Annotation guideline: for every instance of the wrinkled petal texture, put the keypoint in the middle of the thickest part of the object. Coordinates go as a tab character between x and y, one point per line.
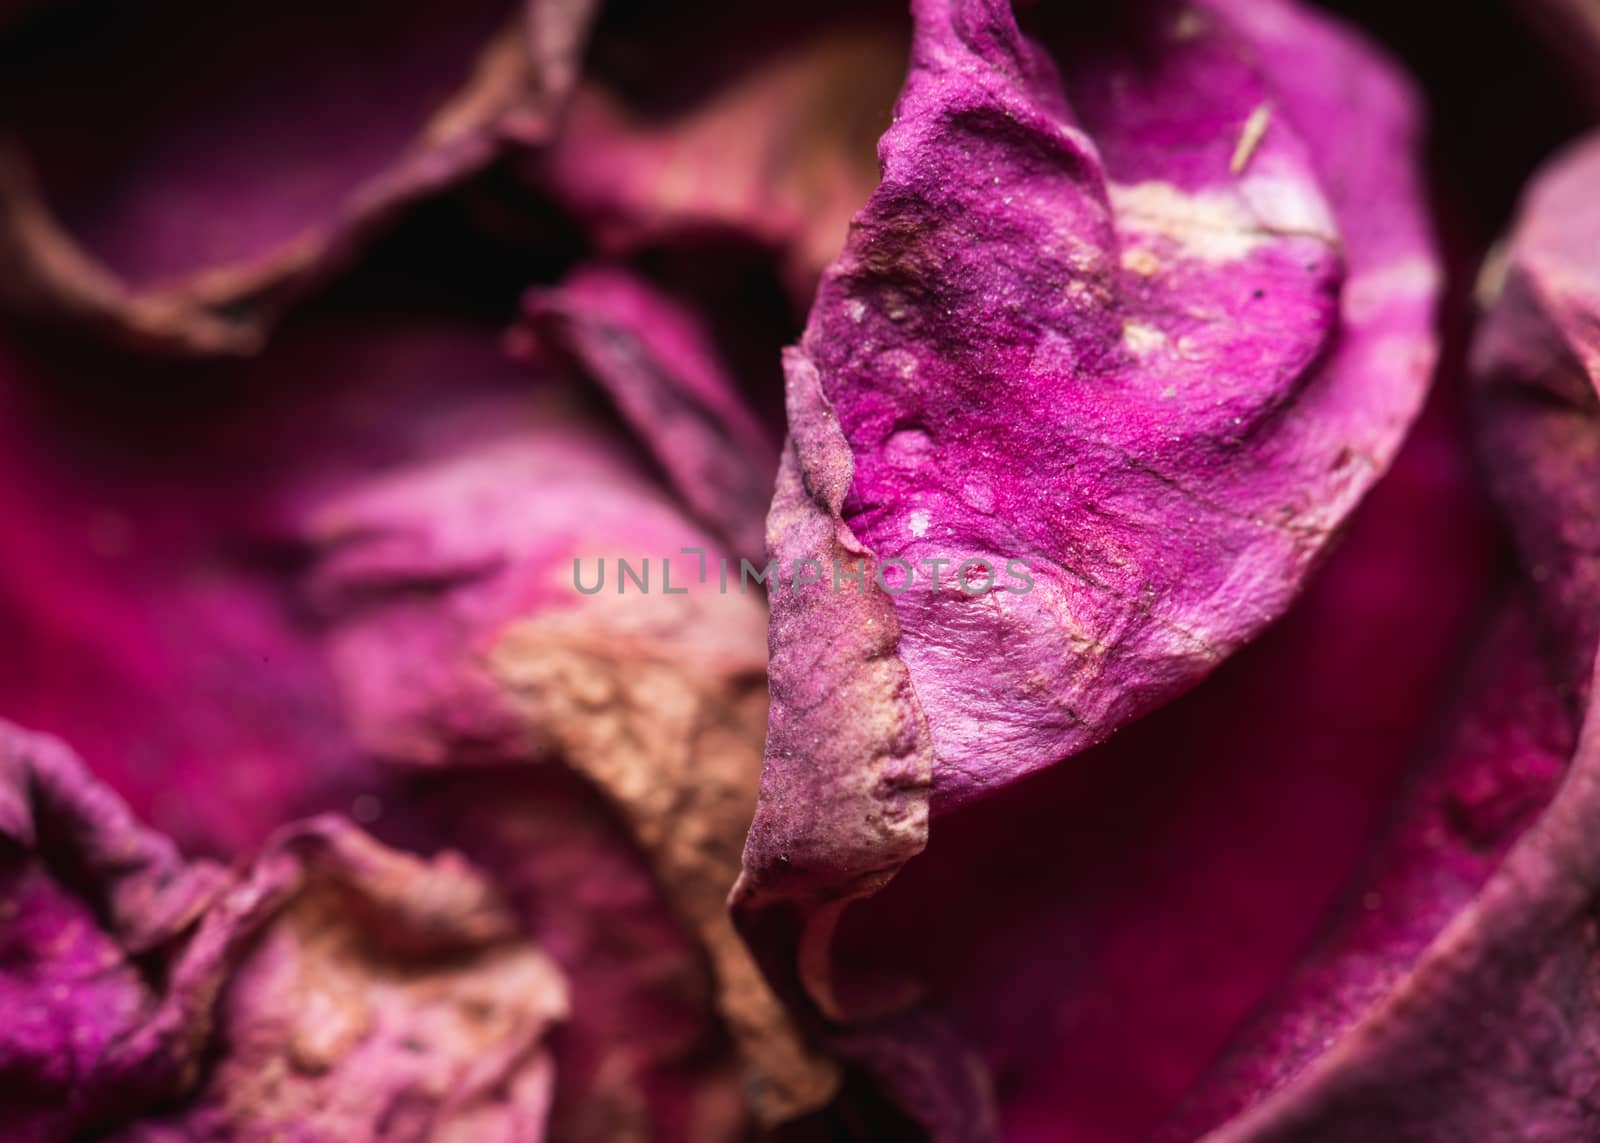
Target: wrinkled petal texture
334	989
1155	347
356	558
471	561
1162	380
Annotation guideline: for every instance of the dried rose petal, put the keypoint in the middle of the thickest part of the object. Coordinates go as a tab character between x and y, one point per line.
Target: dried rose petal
335	988
470	560
191	171
1448	1000
1028	350
88	898
346	553
381	996
153	593
644	1056
1449	831
1208	841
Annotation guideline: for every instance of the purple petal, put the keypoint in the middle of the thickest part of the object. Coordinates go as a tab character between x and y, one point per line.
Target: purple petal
335	989
192	171
1028	350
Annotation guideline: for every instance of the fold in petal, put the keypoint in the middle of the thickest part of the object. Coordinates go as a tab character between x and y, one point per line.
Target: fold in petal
656	361
1492	1032
1447	1000
334	988
1154	348
267	580
496	565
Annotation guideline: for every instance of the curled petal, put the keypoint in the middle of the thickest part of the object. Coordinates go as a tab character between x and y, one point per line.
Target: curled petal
218	189
498	566
379	994
656	362
334	988
1444	1001
1492	1032
1154	348
361	549
88	899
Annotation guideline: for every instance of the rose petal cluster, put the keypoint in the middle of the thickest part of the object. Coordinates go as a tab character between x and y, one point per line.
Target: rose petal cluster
943	570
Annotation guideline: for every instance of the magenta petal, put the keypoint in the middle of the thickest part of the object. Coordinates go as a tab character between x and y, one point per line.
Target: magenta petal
379	994
450	593
1450	987
360	549
1025	353
1491	1031
86	892
153	592
330	965
1448	831
1052	935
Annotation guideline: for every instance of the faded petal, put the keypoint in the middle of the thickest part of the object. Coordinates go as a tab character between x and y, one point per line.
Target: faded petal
473	558
380	996
773	146
334	989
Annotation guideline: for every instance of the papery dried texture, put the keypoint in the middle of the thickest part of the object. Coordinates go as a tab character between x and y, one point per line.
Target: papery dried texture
179	182
472	559
1571	29
252	579
777	151
381	997
656	361
644	1056
1077	895
1156	347
335	989
108	1008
